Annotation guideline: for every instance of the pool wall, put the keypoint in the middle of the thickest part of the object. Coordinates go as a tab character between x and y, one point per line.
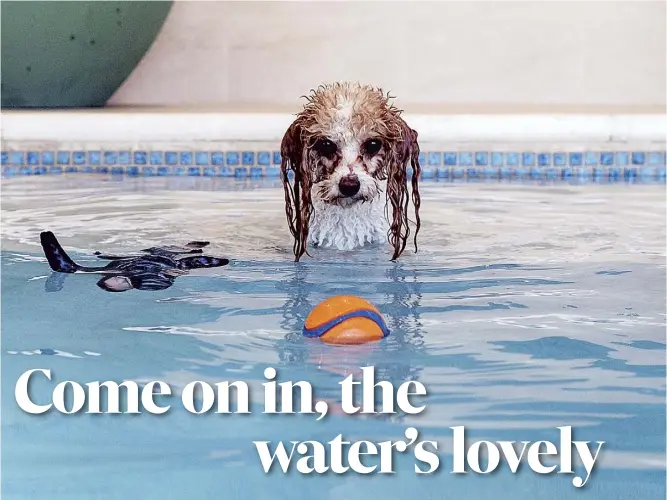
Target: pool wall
495	56
578	148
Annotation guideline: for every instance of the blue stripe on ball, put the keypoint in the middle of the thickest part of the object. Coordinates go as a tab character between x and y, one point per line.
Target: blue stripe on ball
364	313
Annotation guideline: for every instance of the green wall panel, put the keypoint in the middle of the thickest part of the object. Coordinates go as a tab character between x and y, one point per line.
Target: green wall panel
59	54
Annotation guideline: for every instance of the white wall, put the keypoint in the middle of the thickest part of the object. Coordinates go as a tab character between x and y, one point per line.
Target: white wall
522	55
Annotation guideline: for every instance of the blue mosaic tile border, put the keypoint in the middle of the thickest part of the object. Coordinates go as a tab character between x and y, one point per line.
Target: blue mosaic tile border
631	166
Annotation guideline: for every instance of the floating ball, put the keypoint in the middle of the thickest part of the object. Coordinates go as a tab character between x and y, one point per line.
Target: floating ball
345	319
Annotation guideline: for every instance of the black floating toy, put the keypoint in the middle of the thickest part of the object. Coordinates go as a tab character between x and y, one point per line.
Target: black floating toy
154	268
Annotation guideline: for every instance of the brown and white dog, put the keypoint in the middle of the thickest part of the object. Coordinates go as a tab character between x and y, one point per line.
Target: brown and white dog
349	151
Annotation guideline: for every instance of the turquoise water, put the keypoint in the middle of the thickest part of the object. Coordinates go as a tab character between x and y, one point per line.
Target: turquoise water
511	343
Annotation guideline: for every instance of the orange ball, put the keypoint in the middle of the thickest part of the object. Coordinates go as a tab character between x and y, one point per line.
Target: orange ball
345	319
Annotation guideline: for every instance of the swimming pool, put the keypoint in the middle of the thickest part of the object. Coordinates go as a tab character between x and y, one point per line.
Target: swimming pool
528	307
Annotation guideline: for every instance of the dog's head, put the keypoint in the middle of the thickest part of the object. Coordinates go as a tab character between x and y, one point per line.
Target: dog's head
347	139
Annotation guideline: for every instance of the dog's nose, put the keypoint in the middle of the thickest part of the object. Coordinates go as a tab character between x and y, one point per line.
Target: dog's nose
349	185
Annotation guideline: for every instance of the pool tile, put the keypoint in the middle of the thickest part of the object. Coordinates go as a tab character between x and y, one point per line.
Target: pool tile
511	159
443	173
248	158
272	172
124	157
217	158
186	158
79	157
496	159
490	173
63	157
590	158
552	173
528	159
110	157
94	157
606	158
48	158
638	158
481	158
140	158
434	159
428	173
544	159
171	158
16	158
504	173
622	158
465	159
156	158
560	159
201	158
449	158
656	158
232	158
32	157
630	174
602	166
225	172
535	173
599	174
264	158
576	159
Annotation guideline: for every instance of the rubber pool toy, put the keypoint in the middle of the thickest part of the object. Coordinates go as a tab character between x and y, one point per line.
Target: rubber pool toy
153	268
345	319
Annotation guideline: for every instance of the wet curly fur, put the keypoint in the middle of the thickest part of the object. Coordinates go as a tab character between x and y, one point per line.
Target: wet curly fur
349	129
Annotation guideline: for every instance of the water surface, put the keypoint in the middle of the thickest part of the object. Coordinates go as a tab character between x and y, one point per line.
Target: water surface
526	308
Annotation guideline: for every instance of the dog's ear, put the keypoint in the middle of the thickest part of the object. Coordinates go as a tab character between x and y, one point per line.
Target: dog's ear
403	154
298	203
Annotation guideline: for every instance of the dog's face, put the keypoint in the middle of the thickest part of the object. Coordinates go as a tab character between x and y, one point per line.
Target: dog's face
345	141
348	152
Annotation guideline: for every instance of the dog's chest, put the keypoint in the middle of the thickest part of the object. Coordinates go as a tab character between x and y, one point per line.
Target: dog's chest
350	227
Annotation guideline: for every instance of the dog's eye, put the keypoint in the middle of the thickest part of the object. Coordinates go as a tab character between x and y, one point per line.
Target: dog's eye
372	146
325	147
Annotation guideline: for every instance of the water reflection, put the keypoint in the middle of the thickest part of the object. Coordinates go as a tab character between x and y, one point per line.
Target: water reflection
398	299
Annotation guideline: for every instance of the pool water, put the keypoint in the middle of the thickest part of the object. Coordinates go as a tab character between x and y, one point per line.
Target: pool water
527	308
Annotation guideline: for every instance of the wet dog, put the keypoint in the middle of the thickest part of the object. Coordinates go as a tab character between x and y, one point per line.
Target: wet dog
345	162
